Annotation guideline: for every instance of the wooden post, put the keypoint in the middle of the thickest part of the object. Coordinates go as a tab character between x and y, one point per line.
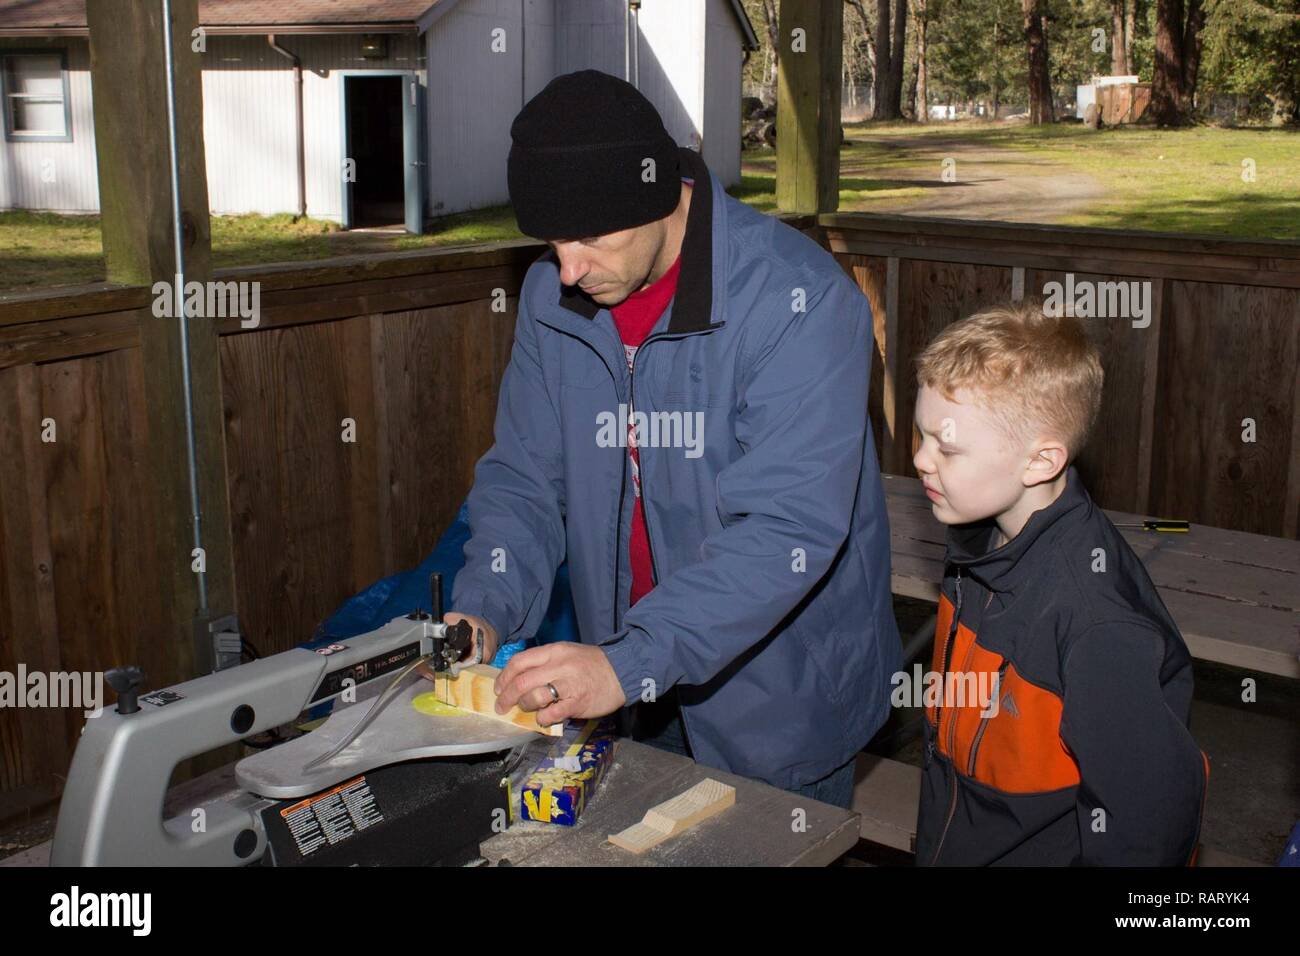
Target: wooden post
808	106
129	77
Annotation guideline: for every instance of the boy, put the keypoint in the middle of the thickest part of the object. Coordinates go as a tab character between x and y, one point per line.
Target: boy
1060	735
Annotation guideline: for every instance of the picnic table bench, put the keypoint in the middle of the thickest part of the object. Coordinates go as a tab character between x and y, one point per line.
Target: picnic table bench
1235	596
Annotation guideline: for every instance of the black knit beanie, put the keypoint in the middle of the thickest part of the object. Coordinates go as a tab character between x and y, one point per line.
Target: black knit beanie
578	167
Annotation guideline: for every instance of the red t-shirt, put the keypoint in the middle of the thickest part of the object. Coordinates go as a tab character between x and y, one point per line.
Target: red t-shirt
635	317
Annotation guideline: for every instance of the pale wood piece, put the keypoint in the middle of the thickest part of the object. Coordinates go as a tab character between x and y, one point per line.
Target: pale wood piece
887	793
472	690
706	798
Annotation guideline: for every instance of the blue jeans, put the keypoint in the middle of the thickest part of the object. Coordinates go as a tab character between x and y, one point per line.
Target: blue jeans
662	728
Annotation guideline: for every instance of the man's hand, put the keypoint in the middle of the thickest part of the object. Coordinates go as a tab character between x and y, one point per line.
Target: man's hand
483	631
580	673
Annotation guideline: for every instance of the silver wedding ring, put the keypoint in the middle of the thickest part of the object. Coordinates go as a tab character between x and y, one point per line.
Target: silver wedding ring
555	694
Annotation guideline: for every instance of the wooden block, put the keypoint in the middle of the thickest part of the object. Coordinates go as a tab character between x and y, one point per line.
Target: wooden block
887	793
675	816
472	690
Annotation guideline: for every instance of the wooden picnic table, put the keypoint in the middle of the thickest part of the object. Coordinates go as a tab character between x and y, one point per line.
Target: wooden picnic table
1235	596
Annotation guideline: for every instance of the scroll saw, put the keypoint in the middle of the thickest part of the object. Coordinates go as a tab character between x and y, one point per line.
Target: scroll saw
356	790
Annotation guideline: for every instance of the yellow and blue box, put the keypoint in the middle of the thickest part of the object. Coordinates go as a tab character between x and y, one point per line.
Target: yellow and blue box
565	781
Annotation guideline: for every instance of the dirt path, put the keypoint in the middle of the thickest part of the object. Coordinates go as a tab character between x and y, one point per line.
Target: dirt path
991	182
356	242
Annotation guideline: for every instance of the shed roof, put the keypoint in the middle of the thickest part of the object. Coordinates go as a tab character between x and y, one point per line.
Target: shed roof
44	17
68	17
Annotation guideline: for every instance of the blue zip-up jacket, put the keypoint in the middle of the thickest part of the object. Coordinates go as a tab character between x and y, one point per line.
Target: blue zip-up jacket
771	611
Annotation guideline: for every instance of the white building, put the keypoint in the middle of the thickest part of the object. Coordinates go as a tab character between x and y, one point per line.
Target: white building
399	88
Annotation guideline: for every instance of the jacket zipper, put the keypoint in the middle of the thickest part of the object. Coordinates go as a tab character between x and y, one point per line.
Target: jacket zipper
645	510
984	721
952	724
622	491
945	657
618	542
952	728
938	718
654	569
631	388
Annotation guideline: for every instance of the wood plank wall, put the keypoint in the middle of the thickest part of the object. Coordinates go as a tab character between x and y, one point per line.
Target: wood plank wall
1223	346
407	346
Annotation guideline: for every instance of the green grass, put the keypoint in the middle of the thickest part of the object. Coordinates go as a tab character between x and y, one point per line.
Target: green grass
860	186
1185	180
47	249
492	224
42	249
249	239
1161	180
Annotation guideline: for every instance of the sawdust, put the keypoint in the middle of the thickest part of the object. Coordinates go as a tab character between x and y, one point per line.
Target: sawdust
431	705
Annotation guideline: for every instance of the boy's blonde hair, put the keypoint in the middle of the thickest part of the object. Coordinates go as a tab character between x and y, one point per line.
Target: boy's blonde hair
1031	372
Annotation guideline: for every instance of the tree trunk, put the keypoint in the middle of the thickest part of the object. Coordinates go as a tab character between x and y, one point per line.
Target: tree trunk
908	99
880	89
997	76
899	55
774	47
1118	41
1130	30
889	67
1177	61
922	92
1167	71
1040	80
871	40
1192	53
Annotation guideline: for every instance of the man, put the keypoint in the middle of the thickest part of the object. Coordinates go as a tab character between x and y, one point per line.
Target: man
684	416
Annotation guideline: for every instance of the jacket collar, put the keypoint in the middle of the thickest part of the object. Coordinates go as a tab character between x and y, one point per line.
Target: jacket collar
1002	568
692	306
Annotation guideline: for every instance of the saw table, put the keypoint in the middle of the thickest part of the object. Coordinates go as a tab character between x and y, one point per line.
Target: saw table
758	831
388	778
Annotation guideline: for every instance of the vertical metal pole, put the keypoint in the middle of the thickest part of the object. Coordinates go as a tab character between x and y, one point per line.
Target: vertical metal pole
179	250
636	43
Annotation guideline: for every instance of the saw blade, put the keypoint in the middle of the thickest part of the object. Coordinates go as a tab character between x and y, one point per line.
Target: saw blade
380	703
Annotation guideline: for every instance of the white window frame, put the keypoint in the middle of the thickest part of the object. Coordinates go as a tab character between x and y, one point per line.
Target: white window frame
7	97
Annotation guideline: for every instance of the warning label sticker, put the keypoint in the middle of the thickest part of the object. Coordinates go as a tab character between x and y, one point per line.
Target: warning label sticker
332	816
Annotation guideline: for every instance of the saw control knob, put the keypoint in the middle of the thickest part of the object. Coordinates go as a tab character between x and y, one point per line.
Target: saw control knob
459	635
125	682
